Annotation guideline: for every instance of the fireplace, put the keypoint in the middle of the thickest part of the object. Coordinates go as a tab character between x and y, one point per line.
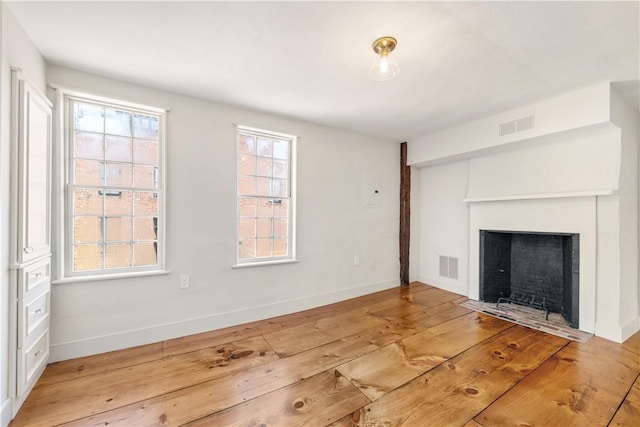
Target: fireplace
532	266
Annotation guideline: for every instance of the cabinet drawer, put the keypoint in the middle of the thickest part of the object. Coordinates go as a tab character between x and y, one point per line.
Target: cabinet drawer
31	361
33	316
33	276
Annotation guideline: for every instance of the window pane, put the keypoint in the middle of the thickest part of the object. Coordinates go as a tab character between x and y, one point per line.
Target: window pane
88	172
281	209
247	228
280	227
265	167
118	148
118	229
118	174
280	188
263	186
88	145
280	149
247	248
144	176
265	207
265	147
88	117
117	203
280	247
246	164
145	127
87	257
263	248
87	202
246	144
247	207
246	185
145	152
263	227
87	229
279	169
146	203
145	228
118	122
118	255
145	253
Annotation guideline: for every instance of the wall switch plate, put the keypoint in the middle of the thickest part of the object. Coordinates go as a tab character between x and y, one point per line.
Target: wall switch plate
184	281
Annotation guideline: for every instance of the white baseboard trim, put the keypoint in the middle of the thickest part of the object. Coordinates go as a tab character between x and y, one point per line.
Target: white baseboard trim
5	413
630	328
456	288
156	333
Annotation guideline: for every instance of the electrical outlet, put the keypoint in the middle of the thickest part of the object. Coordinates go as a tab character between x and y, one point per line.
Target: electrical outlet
356	260
184	281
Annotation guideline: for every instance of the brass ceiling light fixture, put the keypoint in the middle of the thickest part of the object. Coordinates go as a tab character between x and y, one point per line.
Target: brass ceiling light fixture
384	67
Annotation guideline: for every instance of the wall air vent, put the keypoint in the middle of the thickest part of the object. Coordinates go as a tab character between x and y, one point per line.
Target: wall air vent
448	267
444	266
507	128
525	123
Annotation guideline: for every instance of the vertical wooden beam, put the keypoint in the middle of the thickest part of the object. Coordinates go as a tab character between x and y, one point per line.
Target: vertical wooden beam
405	215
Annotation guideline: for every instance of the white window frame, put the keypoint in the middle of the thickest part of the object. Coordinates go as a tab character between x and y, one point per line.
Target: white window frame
291	257
64	209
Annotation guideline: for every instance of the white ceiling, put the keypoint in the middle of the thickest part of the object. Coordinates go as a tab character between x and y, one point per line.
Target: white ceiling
309	60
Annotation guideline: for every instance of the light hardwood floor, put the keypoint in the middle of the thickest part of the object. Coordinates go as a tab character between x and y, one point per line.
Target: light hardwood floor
409	356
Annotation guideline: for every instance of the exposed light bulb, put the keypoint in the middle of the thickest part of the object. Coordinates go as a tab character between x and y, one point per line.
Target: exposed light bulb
384	67
384	63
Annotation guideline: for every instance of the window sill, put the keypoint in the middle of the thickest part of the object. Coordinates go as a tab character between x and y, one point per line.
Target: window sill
261	263
98	277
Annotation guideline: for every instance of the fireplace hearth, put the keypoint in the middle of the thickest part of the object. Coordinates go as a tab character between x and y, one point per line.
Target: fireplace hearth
527	266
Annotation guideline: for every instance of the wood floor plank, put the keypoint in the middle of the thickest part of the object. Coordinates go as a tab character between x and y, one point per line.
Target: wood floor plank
249	330
629	412
76	368
581	385
381	371
89	395
198	401
413	304
309	335
319	400
457	390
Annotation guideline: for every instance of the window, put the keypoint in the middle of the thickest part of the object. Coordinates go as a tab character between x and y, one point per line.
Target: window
114	187
266	203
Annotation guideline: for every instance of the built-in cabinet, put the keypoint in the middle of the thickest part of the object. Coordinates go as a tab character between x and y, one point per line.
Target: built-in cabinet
30	245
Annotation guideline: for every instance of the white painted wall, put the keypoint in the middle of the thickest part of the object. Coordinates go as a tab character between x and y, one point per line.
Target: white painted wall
523	175
416	225
573	110
335	222
574	166
625	116
444	223
17	51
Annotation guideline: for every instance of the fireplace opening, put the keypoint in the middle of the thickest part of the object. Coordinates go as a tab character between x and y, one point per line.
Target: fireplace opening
527	266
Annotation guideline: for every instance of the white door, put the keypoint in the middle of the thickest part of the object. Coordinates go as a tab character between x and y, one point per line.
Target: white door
34	164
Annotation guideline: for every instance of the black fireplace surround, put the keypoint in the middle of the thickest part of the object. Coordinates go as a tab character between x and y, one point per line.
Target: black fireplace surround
541	265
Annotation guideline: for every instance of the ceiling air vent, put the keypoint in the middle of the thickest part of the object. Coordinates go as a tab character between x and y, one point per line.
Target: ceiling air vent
525	123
